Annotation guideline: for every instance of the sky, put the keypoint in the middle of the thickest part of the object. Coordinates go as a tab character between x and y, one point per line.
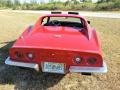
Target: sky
47	0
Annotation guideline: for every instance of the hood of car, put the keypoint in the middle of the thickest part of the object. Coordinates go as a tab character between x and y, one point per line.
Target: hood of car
63	38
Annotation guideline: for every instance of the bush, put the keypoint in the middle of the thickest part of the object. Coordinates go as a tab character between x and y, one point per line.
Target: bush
113	5
117	4
15	7
105	6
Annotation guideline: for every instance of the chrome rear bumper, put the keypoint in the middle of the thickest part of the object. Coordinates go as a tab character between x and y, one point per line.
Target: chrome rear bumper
89	69
76	69
8	61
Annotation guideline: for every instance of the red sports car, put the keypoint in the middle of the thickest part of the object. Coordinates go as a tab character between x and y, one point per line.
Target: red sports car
59	43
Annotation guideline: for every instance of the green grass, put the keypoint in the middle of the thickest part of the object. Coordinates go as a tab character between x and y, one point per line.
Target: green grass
13	24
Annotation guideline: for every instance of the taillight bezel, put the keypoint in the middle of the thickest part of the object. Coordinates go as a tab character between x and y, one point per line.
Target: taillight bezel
91	61
30	58
77	62
18	55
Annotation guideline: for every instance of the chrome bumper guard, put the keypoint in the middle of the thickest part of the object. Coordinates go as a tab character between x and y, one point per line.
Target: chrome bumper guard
8	61
89	69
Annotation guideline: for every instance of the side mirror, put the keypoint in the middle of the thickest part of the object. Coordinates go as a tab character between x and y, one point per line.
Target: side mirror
88	22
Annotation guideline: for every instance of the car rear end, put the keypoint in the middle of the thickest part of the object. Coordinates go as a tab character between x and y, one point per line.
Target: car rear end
67	49
57	61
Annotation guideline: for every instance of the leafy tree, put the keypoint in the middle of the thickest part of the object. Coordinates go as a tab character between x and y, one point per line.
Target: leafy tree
6	3
33	2
51	1
17	2
86	0
74	1
9	3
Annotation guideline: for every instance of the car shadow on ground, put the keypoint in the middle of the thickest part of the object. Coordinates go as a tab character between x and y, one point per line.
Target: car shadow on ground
24	79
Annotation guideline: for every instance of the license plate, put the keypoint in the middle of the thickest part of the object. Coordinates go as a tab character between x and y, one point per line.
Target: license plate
53	67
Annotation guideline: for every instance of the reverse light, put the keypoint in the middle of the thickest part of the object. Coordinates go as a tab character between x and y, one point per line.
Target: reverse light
30	55
91	61
77	60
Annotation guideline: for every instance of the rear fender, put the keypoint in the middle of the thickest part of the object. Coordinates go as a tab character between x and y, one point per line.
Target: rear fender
96	38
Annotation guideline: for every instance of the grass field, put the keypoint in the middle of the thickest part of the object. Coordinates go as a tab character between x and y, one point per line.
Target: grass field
14	78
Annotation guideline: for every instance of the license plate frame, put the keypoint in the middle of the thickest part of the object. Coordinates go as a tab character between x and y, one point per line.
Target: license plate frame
53	67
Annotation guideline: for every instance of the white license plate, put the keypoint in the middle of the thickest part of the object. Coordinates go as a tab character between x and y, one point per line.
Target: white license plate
53	67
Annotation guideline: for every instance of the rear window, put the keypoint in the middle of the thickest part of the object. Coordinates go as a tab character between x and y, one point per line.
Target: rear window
66	19
63	21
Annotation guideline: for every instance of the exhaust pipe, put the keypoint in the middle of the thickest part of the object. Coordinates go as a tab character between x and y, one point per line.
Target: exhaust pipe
87	74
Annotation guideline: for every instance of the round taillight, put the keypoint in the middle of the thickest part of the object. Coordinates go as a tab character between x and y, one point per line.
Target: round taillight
77	60
18	54
30	55
91	60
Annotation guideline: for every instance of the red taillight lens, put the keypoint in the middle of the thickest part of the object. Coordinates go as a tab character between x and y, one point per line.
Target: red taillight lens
91	61
77	60
18	54
30	55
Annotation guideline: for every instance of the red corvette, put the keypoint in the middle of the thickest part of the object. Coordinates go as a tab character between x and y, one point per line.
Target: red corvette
59	43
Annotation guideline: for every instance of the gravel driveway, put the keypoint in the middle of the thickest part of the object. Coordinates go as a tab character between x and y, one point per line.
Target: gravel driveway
83	13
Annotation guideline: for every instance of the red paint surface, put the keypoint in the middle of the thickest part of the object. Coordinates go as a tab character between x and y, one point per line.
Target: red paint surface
58	44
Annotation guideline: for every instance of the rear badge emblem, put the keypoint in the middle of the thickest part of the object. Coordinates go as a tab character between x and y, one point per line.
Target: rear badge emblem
53	54
57	36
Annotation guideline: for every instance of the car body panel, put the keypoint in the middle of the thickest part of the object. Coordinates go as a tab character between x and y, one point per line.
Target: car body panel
58	40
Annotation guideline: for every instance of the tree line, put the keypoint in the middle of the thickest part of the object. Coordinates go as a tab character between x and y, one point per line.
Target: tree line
57	5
